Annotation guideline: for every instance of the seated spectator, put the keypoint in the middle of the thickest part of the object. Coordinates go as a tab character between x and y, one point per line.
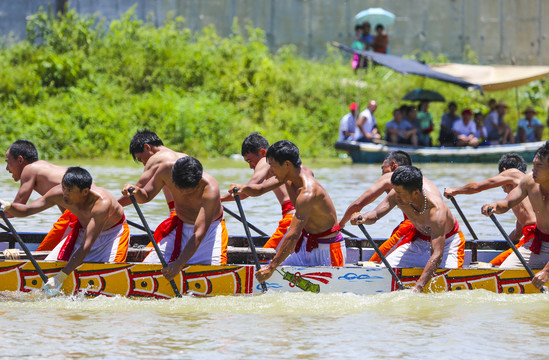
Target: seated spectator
446	136
481	130
424	124
347	124
497	131
366	126
464	130
400	131
529	128
381	40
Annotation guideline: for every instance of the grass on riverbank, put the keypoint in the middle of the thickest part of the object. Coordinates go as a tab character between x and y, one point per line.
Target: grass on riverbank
77	88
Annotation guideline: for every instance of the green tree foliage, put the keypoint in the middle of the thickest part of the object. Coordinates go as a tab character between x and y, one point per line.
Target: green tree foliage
78	88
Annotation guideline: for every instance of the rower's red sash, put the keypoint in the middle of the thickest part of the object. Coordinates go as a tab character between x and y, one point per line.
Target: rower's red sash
166	227
68	246
452	232
287	206
312	239
413	234
539	237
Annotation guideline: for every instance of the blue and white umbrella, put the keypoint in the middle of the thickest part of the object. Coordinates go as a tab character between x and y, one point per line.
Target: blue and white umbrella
375	16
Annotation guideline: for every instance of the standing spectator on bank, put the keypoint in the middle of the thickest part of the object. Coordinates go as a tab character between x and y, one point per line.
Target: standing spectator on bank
347	124
497	131
424	124
529	128
367	38
381	40
400	131
446	136
366	126
358	61
464	130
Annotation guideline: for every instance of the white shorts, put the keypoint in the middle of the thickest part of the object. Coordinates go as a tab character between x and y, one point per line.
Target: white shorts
208	252
334	254
536	261
105	249
418	252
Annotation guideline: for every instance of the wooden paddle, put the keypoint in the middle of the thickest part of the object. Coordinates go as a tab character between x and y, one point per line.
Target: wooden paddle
519	255
248	235
381	256
136	225
153	241
474	247
242	221
24	247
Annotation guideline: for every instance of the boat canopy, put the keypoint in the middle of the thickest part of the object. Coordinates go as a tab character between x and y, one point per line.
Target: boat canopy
408	66
496	77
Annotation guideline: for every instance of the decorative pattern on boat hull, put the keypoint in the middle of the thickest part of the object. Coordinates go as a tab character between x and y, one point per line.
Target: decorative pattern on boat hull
146	280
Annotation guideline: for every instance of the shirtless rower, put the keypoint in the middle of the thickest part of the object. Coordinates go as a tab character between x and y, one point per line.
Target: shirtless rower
196	233
438	240
313	238
254	150
392	161
535	186
512	169
101	233
147	148
38	175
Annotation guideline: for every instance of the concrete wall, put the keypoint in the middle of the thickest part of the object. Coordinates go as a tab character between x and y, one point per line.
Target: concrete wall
498	31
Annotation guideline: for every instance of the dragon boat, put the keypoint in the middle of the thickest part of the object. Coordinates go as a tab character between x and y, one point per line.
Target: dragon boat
138	280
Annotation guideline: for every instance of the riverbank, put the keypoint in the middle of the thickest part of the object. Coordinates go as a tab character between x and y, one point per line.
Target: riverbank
78	89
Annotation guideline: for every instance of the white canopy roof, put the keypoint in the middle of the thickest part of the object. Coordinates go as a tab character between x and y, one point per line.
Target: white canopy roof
496	77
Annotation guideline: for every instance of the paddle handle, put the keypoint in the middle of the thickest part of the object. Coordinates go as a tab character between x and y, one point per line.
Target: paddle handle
519	255
151	238
248	235
24	247
381	256
474	248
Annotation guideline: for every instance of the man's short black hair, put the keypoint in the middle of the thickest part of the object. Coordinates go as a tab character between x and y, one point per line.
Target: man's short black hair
25	149
284	150
409	177
187	172
253	143
142	137
512	161
401	158
77	176
543	151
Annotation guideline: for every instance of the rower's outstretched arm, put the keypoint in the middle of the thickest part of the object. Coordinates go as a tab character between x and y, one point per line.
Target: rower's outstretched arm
381	185
476	187
256	189
371	217
514	198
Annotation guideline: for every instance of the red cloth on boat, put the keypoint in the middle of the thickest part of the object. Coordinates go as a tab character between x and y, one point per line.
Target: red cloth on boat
312	239
539	237
68	246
